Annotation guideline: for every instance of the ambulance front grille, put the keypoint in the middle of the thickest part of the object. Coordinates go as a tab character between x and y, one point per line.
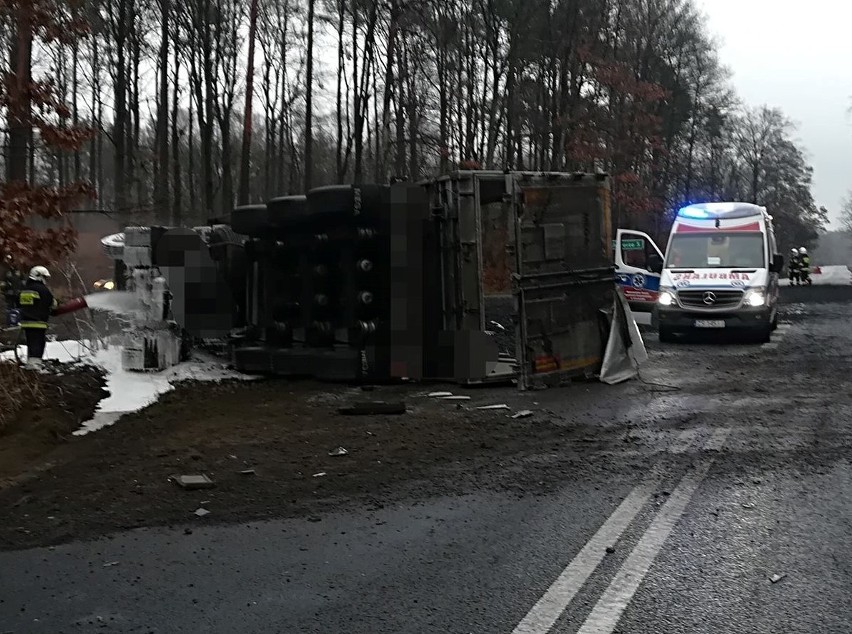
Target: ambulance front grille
710	300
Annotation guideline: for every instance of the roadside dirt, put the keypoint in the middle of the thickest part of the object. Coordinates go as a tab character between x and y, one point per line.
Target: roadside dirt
47	409
118	478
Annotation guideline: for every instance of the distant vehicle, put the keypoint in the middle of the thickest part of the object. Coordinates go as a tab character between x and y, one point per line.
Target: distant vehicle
720	271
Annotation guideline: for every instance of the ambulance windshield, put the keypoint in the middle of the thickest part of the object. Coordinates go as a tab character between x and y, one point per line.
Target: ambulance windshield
716	250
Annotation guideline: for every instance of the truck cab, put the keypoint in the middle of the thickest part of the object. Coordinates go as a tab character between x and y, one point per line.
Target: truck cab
720	272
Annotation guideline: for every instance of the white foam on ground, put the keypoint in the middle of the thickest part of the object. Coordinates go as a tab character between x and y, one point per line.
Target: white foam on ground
828	276
132	391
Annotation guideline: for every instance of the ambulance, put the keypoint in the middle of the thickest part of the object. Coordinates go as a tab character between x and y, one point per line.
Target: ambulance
719	273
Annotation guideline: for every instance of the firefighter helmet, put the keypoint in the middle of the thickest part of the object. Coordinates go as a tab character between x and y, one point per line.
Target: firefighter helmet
39	273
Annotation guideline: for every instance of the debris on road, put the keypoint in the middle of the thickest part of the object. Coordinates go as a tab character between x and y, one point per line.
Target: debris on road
369	408
340	451
610	550
110	563
747	505
439	394
524	413
453	397
248	472
500	406
201	512
320	474
776	578
194	482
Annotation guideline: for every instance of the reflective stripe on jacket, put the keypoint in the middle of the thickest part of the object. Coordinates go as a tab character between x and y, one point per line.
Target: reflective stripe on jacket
36	303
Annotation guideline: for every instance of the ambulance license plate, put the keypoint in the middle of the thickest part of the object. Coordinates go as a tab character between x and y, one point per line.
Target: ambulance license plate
711	323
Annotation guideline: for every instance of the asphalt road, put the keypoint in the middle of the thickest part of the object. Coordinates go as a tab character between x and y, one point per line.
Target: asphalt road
728	465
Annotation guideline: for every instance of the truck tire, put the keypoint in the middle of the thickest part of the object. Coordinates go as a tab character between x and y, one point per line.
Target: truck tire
666	335
286	212
249	220
369	201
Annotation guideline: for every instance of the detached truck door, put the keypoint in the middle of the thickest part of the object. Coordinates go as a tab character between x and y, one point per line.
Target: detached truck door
638	264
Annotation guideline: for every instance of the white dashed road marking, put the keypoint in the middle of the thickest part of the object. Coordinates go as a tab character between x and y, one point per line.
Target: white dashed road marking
610	607
544	614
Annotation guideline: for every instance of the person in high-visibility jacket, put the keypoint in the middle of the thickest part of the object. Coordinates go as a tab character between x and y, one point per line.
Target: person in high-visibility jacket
804	266
36	304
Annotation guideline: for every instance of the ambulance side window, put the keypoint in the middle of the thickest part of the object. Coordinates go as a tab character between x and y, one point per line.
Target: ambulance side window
638	259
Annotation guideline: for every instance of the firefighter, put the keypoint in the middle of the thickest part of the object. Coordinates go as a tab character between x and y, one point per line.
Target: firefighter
804	267
36	304
793	267
11	286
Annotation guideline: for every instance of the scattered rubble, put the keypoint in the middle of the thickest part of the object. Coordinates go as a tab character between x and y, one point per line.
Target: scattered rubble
371	408
194	482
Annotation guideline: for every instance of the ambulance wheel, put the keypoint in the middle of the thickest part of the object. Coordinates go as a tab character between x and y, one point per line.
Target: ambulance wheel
764	335
666	335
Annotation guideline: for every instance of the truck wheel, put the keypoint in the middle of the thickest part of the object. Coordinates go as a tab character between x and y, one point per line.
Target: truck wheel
666	335
250	220
369	200
286	211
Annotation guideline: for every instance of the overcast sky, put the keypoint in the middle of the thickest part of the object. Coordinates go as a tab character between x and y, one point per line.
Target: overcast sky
796	56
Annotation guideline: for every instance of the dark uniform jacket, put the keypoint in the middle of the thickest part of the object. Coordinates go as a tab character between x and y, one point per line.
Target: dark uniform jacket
11	286
36	303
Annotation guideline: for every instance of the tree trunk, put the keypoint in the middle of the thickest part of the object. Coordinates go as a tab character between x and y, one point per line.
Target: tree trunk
206	124
75	113
96	122
120	125
341	63
309	105
245	158
399	153
18	112
191	181
383	140
136	159
161	165
177	185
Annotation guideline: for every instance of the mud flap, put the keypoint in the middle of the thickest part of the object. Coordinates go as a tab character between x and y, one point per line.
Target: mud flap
625	349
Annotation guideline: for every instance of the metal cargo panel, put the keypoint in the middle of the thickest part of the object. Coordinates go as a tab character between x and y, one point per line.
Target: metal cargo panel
563	276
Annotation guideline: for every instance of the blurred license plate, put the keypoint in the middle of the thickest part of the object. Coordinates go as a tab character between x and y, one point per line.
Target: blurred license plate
704	323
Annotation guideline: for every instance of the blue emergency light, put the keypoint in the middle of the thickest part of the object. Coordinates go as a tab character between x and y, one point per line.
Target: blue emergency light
693	211
710	210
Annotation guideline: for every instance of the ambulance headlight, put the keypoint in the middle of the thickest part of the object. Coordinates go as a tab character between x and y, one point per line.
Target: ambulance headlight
666	297
756	297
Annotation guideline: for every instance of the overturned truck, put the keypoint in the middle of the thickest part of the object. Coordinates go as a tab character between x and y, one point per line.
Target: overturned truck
476	276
